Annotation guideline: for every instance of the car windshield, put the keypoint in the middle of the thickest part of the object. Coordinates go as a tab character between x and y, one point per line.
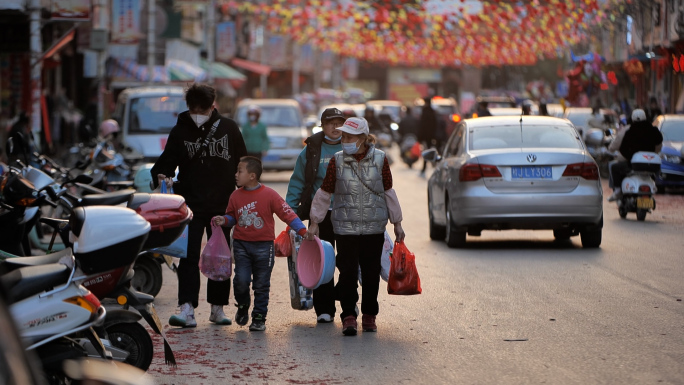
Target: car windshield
273	116
444	109
673	131
155	114
513	136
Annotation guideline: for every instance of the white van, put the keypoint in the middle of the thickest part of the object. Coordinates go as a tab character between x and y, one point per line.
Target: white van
146	116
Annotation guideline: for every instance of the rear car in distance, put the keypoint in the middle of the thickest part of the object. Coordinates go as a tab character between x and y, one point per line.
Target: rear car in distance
285	126
671	168
498	173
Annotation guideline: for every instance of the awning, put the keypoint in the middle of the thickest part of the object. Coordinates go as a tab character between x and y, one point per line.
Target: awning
260	69
129	70
180	70
61	43
222	71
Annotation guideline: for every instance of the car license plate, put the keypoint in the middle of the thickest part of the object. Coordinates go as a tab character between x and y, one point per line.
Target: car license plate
531	172
645	203
271	158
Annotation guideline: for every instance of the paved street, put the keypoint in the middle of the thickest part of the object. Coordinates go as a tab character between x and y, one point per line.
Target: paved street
513	307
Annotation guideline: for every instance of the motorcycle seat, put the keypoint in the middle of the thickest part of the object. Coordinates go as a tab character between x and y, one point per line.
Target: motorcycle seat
11	264
138	199
107	199
27	281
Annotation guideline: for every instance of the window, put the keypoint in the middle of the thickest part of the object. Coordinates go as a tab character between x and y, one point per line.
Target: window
155	114
273	116
452	147
673	131
514	136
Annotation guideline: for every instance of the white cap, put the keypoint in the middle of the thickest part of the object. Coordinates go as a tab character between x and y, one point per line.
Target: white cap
355	126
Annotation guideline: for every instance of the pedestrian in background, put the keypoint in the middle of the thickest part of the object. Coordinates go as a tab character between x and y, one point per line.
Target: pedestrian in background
205	147
428	128
408	125
653	110
306	179
360	180
250	210
255	134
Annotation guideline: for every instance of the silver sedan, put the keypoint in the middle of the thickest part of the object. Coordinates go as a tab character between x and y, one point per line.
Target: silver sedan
514	172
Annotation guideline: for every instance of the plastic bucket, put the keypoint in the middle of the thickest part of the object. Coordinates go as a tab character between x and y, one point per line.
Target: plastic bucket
315	263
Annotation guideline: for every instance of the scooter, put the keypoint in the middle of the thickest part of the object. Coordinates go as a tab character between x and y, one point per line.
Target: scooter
116	249
50	308
639	187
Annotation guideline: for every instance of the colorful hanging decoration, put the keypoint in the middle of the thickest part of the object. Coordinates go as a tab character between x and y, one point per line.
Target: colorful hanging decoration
421	33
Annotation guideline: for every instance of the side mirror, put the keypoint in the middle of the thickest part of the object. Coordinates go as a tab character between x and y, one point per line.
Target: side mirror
431	155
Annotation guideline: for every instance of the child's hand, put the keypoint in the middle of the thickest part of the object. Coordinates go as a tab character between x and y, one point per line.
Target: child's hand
219	220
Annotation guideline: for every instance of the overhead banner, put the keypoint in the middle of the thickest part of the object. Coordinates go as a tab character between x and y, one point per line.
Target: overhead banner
125	21
277	54
226	42
73	10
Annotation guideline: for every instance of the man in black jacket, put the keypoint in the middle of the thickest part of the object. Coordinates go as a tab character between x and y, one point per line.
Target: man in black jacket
206	148
306	179
641	136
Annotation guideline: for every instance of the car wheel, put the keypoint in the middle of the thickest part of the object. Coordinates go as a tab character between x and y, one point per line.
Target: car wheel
437	232
622	211
641	214
591	238
562	234
454	237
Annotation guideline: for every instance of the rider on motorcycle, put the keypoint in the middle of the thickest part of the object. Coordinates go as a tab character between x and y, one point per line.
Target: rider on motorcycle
641	136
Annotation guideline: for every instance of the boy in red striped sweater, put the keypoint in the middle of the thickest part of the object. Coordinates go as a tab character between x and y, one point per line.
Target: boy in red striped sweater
250	210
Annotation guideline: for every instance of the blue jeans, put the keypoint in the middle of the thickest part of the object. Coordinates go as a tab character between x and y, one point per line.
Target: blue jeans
253	260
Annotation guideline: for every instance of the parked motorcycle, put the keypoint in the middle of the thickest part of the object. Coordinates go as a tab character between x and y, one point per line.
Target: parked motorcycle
639	186
49	308
117	249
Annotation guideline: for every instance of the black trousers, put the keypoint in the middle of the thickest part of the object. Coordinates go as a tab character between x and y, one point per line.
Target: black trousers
618	172
324	295
354	251
188	268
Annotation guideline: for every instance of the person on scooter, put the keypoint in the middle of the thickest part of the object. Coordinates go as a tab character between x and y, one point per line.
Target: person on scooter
206	147
306	179
641	136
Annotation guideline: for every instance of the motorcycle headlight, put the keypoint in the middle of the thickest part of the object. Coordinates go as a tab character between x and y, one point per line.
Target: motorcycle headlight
671	158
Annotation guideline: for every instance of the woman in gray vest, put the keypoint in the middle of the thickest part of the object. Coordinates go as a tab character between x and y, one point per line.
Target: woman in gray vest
360	178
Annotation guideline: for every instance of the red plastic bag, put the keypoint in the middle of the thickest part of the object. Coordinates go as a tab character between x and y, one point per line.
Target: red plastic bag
283	244
403	275
215	260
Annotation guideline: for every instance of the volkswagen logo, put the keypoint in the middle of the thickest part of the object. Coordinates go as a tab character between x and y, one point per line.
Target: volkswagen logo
531	158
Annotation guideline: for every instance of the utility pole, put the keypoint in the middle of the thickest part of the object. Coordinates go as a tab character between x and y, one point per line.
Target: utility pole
36	70
295	67
100	23
151	35
261	41
211	39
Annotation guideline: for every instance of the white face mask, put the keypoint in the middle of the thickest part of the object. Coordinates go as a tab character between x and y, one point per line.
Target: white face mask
199	119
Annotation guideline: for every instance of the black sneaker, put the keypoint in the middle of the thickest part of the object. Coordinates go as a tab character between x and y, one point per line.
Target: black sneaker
258	323
242	315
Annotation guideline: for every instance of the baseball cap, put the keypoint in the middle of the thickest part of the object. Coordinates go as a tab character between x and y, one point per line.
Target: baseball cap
331	113
355	126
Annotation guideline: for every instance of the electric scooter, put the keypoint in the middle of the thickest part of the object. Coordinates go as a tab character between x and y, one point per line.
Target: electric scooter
639	187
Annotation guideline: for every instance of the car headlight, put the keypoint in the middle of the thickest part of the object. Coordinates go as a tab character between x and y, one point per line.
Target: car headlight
671	158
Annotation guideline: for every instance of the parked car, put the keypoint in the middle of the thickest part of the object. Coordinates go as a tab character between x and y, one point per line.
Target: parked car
671	167
499	173
146	116
285	126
